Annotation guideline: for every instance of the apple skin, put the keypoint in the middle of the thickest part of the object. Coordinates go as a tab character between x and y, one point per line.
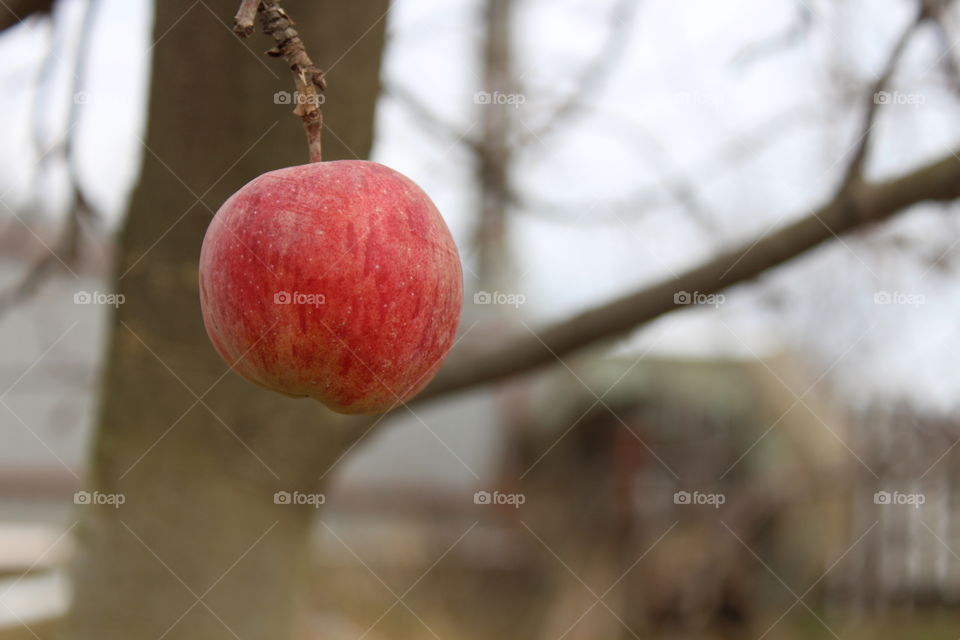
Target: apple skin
335	280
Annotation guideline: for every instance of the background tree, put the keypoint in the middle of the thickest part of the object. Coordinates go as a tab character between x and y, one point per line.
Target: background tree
174	423
199	548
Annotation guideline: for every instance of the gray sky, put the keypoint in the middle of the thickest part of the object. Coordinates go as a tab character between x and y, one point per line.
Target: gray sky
672	103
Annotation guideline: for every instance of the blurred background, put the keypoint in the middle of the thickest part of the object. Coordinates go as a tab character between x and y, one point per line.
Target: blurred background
777	461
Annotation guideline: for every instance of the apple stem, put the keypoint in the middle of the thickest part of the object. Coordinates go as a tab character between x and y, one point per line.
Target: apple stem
308	79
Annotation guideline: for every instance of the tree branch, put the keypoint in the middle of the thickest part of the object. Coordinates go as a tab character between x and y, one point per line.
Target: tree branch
67	249
58	258
595	73
727	156
430	120
866	204
308	79
14	12
854	171
779	42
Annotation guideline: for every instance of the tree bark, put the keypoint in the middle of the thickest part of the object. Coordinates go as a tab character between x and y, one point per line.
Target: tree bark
199	549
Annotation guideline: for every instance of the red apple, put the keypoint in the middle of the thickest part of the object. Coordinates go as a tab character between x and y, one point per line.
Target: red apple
336	280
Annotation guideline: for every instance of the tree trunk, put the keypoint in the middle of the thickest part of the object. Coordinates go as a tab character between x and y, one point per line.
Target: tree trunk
199	549
495	265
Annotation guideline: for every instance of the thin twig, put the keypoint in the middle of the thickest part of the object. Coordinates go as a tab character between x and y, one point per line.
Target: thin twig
779	42
430	120
308	78
947	57
595	73
854	170
730	155
66	250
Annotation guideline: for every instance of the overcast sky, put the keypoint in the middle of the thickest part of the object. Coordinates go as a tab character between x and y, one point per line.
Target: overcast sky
676	103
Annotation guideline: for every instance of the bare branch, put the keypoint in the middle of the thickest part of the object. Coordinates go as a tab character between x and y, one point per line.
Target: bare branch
939	15
867	204
67	248
726	157
778	42
65	252
675	183
308	79
428	119
595	73
854	171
